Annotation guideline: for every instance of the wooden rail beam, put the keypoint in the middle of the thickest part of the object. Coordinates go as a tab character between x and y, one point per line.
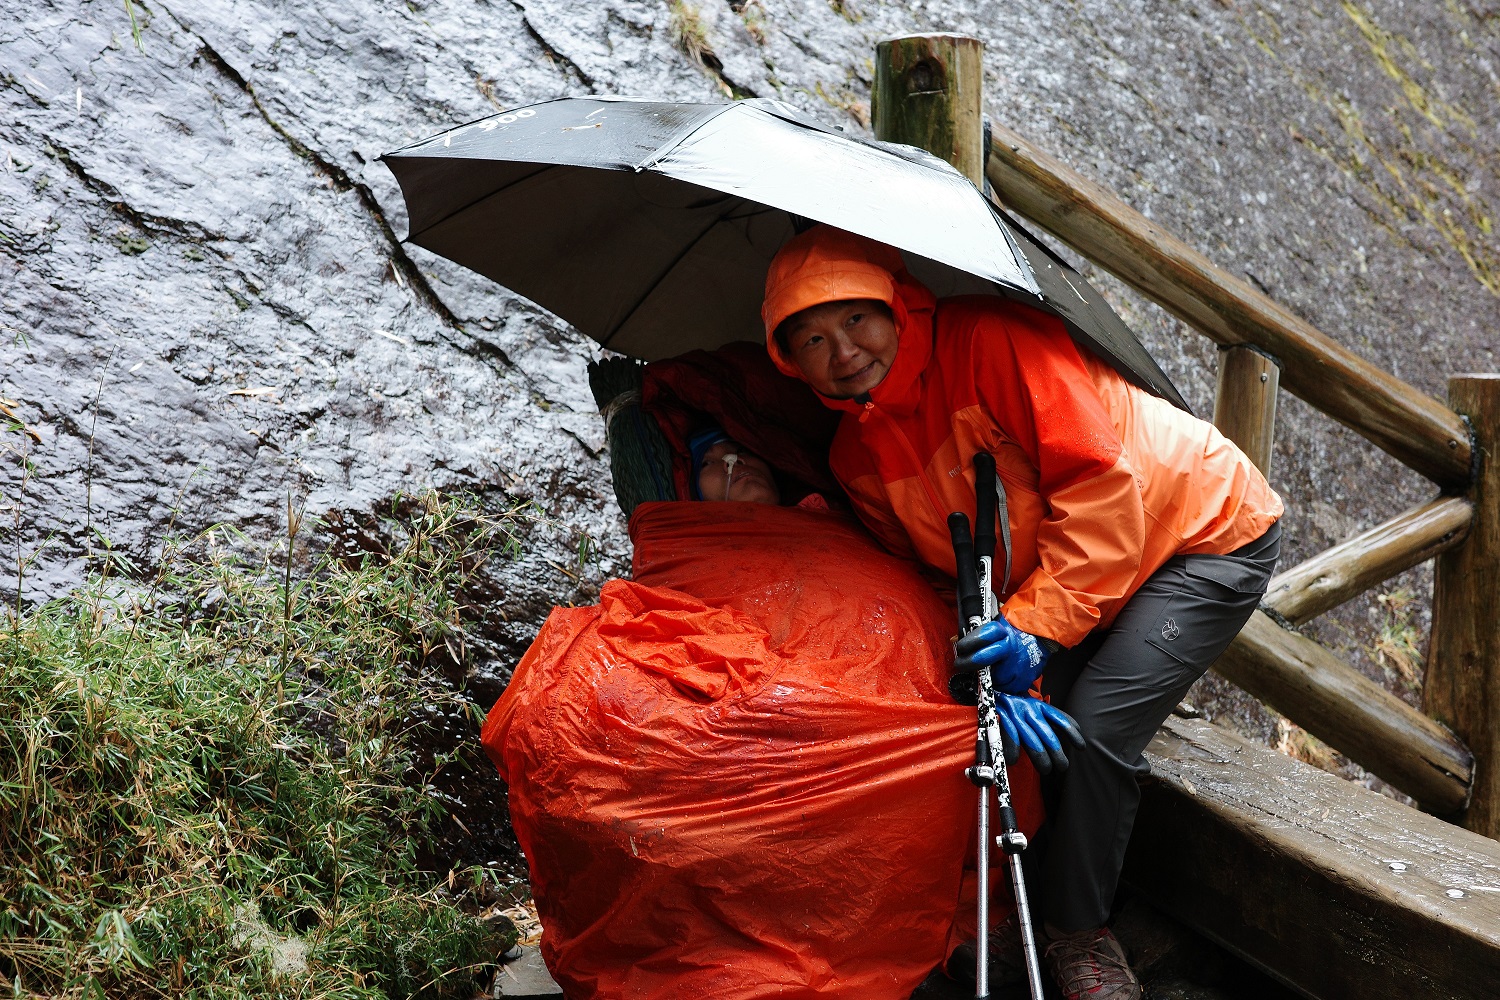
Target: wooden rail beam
1331	888
1341	706
1350	568
1413	427
1462	686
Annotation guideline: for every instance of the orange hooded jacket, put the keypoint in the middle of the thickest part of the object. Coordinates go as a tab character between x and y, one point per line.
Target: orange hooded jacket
1104	481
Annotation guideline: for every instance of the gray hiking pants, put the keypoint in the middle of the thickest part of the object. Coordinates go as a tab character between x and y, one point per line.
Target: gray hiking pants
1120	684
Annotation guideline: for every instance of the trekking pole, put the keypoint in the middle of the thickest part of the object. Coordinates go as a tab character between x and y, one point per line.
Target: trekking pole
971	607
976	605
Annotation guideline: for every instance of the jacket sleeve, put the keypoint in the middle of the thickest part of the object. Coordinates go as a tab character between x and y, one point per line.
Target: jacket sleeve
1033	382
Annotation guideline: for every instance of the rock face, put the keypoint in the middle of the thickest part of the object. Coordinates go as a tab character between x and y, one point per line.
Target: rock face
205	306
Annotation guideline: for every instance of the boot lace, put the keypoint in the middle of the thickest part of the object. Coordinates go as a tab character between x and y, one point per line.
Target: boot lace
1091	963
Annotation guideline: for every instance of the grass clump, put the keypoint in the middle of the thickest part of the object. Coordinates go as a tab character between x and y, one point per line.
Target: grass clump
1398	647
689	31
754	17
209	791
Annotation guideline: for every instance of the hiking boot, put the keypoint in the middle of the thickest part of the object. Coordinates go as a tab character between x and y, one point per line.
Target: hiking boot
1091	965
1007	962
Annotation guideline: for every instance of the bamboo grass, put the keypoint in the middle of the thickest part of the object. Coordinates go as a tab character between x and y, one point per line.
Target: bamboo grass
211	793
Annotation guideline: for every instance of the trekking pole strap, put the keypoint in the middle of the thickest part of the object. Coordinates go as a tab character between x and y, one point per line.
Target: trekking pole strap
1004	519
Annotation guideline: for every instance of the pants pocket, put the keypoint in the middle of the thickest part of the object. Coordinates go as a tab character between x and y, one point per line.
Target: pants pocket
1217	597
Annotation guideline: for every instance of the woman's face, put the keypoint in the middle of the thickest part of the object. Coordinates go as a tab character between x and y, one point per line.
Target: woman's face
843	348
750	481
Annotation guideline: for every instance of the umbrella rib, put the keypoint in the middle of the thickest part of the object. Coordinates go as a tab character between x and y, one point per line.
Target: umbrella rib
411	237
671	144
651	288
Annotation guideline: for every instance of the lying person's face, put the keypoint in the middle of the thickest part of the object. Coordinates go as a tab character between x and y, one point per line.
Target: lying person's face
842	348
750	480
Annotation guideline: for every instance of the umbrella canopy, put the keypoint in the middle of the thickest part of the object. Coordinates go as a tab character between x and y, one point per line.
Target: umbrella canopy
650	225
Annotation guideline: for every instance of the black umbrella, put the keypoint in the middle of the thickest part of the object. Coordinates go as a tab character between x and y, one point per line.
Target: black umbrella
649	225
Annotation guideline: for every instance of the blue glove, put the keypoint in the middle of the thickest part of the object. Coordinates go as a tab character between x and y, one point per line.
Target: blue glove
1015	658
1033	725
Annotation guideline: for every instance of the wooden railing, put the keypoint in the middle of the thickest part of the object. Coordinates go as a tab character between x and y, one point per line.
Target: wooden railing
1266	344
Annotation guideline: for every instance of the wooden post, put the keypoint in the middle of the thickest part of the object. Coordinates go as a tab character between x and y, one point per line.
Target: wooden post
1462	686
929	92
1245	403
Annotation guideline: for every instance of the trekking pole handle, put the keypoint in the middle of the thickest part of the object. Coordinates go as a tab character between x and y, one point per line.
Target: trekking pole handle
986	501
965	573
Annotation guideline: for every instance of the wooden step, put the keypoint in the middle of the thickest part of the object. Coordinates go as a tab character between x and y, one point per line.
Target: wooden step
1332	889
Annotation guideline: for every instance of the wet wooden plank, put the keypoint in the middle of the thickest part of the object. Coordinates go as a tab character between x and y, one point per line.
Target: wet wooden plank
929	93
1332	889
1245	402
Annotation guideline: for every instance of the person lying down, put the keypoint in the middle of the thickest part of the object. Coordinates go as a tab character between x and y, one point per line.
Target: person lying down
724	469
740	774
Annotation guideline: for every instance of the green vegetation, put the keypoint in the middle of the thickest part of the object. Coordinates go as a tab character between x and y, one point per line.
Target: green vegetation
1398	647
754	16
207	784
135	27
689	31
131	246
846	10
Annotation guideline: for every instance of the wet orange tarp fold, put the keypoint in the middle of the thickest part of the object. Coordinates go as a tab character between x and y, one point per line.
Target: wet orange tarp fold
740	774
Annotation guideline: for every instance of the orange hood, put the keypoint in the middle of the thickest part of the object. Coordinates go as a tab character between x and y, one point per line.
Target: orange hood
826	264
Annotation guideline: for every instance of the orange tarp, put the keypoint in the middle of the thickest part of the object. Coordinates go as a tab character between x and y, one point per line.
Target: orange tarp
740	774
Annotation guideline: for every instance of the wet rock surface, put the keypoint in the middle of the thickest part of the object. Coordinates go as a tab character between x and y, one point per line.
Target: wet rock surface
204	305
